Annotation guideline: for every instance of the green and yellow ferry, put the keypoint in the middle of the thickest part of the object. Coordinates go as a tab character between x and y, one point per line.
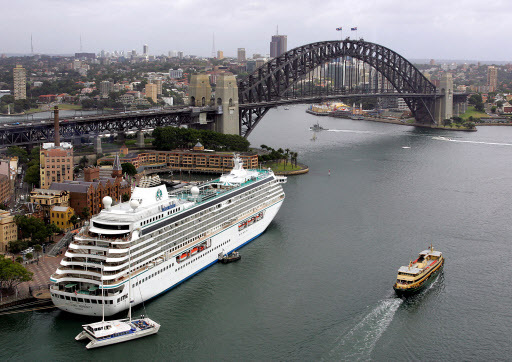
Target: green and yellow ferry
419	273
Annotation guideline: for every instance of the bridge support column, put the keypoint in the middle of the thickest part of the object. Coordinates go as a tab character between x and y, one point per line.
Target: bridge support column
226	98
140	139
121	136
456	109
97	145
444	105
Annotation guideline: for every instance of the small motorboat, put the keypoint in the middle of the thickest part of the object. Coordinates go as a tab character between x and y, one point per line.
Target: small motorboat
317	127
229	258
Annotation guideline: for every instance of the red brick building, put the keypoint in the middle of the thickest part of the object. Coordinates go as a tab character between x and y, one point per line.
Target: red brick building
87	194
196	160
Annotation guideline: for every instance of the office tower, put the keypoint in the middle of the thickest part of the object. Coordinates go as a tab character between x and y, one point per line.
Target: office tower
241	55
145	49
20	82
175	73
278	45
492	78
220	54
180	55
151	92
158	82
105	88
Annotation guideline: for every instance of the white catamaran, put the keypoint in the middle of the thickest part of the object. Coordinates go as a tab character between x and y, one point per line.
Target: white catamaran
170	237
105	333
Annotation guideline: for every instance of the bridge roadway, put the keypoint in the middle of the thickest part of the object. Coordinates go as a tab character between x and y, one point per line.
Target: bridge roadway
323	98
36	132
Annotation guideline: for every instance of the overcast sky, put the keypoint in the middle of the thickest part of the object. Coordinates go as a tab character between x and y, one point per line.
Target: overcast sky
440	29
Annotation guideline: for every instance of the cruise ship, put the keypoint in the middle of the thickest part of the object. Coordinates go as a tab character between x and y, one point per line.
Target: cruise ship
159	239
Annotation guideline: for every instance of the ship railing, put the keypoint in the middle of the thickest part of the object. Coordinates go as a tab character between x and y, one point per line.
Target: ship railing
76	276
76	268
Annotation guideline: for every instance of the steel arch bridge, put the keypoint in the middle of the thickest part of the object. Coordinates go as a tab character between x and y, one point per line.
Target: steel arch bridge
290	78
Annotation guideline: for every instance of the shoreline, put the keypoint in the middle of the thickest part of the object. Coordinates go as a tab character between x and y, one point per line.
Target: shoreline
381	120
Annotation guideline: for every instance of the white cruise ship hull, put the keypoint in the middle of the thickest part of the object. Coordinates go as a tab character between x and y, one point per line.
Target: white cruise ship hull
170	273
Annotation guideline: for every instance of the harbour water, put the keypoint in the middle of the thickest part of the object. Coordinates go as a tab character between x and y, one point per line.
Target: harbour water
318	284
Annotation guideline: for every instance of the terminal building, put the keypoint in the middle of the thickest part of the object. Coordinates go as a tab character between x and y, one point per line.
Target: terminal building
196	160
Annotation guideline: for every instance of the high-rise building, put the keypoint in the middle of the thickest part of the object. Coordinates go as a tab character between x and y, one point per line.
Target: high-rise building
158	82
278	45
492	78
175	73
151	92
20	82
56	163
220	54
241	55
432	62
180	55
145	49
105	88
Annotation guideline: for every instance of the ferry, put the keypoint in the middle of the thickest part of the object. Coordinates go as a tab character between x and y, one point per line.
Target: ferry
419	273
169	237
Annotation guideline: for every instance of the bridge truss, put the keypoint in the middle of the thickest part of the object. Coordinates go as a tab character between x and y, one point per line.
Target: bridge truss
333	70
37	132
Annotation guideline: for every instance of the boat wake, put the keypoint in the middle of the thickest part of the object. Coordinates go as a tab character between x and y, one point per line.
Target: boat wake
358	342
348	131
474	142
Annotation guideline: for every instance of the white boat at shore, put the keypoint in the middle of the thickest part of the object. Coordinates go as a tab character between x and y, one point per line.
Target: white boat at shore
106	333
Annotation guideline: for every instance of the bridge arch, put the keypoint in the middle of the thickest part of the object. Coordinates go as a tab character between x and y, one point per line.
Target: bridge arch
273	83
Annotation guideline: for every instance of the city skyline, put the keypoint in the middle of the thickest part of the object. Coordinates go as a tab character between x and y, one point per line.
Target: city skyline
455	30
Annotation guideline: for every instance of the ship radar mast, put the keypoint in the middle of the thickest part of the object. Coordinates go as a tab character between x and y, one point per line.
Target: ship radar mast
238	162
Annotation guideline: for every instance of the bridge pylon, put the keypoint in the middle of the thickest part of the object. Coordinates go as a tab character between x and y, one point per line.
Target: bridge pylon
226	98
444	105
97	145
200	90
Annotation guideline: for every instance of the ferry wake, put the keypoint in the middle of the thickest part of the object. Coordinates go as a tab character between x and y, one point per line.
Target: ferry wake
168	236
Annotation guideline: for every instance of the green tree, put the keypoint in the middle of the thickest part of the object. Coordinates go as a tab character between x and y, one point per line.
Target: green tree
86	213
475	99
125	197
480	107
21	153
38	248
447	122
88	103
52	229
83	162
74	220
29	256
469	125
32	176
493	109
129	169
15	246
12	274
19	259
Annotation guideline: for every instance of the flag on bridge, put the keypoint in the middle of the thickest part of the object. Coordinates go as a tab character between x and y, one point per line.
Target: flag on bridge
339	29
352	29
